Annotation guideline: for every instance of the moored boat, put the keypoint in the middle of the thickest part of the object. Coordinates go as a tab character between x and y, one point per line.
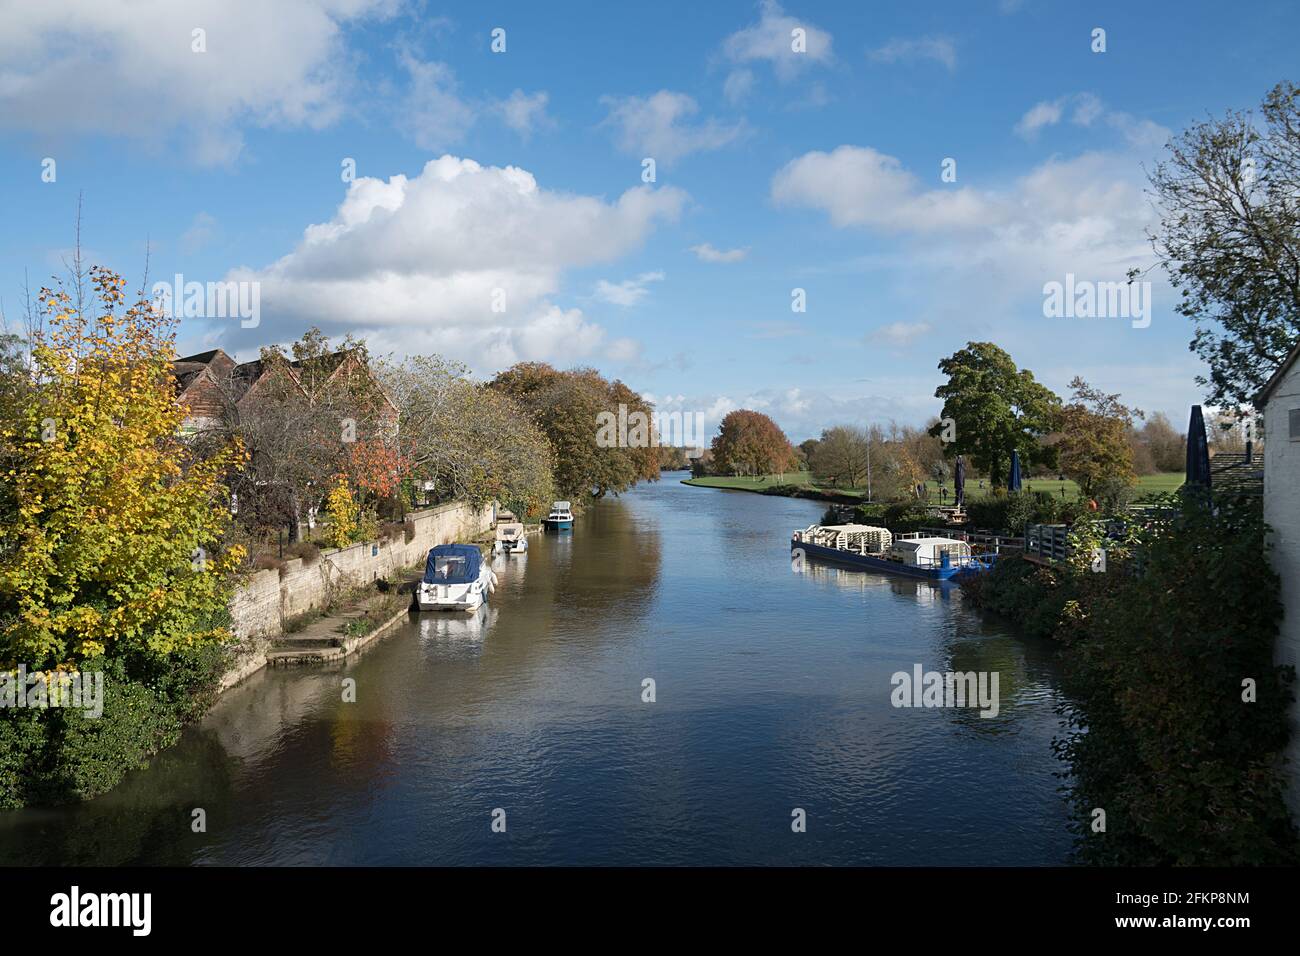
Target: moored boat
875	549
511	539
455	579
560	517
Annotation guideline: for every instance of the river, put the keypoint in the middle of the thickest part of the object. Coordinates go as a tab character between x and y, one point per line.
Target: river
772	693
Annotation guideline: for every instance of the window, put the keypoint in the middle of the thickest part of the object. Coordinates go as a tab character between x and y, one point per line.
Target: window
1294	415
448	567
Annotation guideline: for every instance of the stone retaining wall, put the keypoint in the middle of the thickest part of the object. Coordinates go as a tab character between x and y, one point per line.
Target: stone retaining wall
270	597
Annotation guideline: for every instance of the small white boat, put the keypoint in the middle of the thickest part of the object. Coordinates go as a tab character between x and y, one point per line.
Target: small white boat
560	518
455	579
511	539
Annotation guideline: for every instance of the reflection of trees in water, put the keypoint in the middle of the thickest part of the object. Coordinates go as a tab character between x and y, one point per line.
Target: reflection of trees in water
145	820
1026	670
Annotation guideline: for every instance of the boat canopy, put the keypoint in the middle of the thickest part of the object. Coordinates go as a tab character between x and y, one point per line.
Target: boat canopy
560	506
510	531
453	564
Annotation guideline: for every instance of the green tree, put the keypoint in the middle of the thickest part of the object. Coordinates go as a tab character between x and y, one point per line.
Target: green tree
995	409
1229	238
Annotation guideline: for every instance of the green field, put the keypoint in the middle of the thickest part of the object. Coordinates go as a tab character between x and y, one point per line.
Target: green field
1147	484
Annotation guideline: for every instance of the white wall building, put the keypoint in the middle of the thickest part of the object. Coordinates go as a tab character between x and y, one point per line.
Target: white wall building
1280	403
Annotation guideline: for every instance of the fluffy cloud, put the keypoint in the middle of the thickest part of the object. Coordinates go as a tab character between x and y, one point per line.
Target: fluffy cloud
659	126
127	67
525	113
1088	111
940	49
858	186
706	253
1085	215
628	292
461	259
770	41
432	113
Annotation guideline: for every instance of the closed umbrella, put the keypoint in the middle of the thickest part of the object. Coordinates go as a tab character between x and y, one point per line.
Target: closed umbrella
1013	479
959	482
1198	450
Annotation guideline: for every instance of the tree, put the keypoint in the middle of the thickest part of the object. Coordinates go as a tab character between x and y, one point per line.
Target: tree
1229	239
995	408
572	409
1094	438
472	442
750	443
1167	445
114	547
843	455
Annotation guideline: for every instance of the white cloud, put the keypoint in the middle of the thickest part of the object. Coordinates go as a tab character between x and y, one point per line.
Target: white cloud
1085	215
628	292
1039	115
899	333
739	84
858	186
770	40
1087	111
433	113
707	253
127	68
937	48
658	126
417	264
525	113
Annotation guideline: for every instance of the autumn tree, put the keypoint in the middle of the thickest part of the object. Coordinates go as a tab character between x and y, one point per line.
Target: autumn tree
1093	442
473	443
114	546
842	456
569	408
1228	194
750	443
995	409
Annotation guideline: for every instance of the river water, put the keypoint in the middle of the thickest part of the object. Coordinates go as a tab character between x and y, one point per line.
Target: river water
772	693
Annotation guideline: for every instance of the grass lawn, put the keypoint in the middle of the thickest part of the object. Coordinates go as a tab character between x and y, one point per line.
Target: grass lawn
1147	484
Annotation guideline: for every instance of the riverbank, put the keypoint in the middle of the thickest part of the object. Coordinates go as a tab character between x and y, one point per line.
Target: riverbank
802	485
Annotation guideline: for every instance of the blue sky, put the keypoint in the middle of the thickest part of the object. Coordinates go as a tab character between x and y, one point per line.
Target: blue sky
521	171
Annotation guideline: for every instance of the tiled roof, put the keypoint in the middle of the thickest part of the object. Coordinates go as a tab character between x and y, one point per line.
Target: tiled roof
1232	473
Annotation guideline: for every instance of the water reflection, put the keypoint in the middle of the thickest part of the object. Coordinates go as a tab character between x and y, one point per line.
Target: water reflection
773	691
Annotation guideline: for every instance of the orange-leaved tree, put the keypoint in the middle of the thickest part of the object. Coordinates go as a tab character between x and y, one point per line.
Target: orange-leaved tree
111	544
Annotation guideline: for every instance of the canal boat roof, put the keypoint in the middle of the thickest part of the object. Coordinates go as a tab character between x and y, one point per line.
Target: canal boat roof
464	561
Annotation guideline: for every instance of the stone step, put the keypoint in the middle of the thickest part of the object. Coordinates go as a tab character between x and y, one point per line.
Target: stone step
306	642
307	655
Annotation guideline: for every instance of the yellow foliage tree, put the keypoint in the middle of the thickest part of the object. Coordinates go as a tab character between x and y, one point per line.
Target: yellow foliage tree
112	543
345	515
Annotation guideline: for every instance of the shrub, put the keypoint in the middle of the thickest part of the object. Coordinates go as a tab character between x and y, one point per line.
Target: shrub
308	551
61	755
903	517
1156	652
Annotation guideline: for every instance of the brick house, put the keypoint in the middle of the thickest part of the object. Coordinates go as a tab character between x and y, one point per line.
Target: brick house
209	382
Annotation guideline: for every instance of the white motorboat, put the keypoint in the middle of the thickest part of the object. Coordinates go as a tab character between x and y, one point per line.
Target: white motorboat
455	579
